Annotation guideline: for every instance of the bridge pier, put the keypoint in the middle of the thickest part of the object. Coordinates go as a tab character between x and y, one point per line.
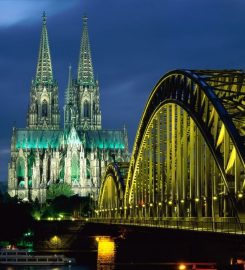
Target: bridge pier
171	245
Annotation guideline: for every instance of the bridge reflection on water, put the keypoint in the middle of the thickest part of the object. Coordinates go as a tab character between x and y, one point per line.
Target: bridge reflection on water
108	251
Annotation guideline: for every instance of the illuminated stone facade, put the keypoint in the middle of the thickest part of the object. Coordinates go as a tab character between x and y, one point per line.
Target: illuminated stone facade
43	153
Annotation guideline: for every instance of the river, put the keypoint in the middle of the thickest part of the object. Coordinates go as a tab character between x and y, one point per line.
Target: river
118	253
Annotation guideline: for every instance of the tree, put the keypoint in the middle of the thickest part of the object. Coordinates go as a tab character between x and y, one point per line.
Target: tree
56	190
16	220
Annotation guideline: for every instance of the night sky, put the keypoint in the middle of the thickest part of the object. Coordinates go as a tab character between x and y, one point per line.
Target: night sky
133	42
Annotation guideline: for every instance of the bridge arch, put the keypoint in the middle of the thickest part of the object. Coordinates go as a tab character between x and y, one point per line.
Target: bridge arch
188	157
110	201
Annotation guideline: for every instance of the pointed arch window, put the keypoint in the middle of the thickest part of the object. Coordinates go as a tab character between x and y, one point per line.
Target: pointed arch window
86	109
75	168
44	108
30	163
20	169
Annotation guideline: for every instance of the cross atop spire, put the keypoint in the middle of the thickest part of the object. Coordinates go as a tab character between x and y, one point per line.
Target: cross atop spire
85	67
44	66
44	17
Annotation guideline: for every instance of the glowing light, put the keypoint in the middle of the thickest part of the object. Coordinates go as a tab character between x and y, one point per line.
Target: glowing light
97	239
182	267
240	195
170	202
196	199
182	200
55	241
143	205
151	204
159	203
215	198
106	250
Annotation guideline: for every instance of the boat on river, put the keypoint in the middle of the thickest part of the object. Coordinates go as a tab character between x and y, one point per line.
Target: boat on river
24	257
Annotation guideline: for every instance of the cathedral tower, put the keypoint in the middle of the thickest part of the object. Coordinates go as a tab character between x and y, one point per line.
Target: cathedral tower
43	110
85	90
70	108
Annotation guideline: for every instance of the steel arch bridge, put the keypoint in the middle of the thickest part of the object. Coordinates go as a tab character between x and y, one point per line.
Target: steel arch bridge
188	159
112	190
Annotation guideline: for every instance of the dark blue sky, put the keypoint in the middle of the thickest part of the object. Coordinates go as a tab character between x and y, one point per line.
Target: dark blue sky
134	42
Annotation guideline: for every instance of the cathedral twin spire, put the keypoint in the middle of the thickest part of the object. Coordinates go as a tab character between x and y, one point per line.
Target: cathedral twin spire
82	108
44	66
43	113
85	68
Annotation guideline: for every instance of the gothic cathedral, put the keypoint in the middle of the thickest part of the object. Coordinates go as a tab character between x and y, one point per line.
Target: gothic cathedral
43	153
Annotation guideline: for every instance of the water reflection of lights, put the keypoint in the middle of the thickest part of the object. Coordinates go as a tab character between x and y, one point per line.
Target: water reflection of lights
55	241
106	253
182	267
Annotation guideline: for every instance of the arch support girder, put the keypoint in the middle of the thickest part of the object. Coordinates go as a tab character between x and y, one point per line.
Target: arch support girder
110	202
191	164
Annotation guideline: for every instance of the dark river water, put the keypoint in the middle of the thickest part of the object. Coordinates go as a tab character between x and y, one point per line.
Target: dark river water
118	253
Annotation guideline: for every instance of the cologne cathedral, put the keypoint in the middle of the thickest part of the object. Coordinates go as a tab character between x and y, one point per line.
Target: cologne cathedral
43	153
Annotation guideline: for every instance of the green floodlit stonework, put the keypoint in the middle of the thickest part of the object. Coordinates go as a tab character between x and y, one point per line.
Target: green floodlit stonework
43	139
43	153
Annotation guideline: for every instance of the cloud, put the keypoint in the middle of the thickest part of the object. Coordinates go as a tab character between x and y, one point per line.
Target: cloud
16	11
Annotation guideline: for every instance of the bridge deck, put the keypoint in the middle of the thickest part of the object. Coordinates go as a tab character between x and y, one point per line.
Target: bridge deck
229	226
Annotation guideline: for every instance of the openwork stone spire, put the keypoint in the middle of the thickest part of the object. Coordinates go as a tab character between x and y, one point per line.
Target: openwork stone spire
69	91
44	65
85	66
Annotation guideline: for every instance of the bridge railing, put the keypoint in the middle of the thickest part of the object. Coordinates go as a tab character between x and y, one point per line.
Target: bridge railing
223	225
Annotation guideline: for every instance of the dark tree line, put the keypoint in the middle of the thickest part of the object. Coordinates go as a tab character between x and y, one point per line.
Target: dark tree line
16	218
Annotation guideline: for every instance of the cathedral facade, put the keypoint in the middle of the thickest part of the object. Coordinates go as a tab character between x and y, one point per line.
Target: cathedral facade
43	153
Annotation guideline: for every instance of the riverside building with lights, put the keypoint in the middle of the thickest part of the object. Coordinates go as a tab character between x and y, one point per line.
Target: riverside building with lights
43	153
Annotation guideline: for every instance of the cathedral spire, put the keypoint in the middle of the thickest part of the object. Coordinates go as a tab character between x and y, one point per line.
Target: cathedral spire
69	91
70	108
85	67
44	66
